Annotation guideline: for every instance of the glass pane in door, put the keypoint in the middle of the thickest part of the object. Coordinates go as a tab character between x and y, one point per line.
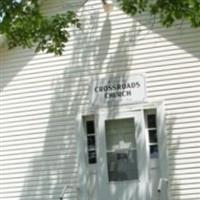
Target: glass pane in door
121	149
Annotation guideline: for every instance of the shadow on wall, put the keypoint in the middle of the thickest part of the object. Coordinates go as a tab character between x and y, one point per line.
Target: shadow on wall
118	59
94	58
180	52
11	63
173	146
57	164
181	35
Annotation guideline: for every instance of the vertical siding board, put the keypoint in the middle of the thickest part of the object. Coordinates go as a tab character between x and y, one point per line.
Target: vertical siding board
40	96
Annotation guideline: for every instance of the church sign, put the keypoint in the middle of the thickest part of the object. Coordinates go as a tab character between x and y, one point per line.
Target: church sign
119	89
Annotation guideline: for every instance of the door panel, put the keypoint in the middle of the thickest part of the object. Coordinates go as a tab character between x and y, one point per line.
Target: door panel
121	149
122	165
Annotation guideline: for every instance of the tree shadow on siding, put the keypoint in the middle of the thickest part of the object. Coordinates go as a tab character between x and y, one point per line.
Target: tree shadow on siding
11	63
47	173
173	147
56	166
96	63
179	46
184	39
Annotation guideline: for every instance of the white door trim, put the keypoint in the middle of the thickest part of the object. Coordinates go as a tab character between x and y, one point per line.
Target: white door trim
82	157
82	143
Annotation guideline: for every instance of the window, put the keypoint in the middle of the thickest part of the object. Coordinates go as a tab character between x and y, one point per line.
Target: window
151	127
121	149
91	141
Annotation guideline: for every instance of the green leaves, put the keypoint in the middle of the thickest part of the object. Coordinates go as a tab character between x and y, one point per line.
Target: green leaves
168	11
133	7
54	32
23	25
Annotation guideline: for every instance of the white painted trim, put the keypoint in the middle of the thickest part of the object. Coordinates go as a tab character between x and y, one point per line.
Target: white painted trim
81	153
162	145
88	110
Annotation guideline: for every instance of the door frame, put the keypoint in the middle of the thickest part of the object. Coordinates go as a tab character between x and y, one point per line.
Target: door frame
103	184
82	143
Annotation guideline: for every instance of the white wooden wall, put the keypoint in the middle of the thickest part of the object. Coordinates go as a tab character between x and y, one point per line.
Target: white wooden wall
41	95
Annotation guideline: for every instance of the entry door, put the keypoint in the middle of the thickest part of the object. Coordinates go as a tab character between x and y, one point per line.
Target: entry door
122	165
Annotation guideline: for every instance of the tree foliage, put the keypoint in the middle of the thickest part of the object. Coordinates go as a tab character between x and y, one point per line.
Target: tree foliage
168	11
23	24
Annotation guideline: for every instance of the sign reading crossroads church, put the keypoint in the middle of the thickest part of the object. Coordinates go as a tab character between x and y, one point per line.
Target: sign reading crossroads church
119	89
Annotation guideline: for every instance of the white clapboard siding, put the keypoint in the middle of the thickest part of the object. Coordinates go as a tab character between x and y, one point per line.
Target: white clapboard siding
40	95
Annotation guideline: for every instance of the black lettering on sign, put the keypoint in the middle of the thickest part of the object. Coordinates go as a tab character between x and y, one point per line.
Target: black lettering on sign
117	94
117	86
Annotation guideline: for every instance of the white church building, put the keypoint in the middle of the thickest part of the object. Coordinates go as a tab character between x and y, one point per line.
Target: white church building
116	117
